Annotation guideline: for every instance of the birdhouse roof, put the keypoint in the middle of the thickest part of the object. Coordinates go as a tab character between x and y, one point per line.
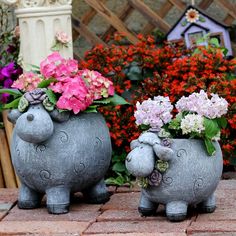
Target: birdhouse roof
194	24
201	12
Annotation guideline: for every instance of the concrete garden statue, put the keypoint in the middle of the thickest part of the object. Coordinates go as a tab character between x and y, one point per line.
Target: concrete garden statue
178	161
60	144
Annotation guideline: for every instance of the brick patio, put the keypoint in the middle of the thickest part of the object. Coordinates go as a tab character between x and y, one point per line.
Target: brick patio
117	217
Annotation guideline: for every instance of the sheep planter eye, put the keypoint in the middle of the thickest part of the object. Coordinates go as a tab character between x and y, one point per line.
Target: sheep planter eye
59	154
176	176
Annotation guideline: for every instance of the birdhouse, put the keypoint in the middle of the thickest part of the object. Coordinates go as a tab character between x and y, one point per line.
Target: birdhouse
194	24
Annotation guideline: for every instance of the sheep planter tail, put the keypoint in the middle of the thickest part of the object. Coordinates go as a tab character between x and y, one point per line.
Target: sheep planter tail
177	174
59	154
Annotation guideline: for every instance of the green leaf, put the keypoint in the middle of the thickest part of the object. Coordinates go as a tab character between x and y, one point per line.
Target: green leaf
13	104
14	92
91	109
104	101
46	83
211	128
119	167
144	127
117	100
184	23
134	76
115	181
214	42
202	19
224	51
197	51
56	47
51	96
209	146
35	68
222	122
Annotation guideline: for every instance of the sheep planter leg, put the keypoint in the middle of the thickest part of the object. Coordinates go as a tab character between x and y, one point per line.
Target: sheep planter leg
176	210
58	200
28	198
97	194
147	207
209	205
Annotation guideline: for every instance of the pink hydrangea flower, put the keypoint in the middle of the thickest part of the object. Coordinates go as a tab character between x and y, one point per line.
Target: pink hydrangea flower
27	82
56	66
78	89
200	103
99	86
155	113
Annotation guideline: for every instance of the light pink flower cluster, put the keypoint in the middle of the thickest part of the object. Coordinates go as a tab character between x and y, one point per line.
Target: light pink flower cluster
27	82
99	86
200	103
78	89
62	37
55	66
155	113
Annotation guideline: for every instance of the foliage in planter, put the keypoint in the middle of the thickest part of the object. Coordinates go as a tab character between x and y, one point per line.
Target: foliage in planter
119	175
147	70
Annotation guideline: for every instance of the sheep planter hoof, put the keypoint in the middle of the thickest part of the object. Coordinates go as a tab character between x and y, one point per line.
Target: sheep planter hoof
176	173
59	154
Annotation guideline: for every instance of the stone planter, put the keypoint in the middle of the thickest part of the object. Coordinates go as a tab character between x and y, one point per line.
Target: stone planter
190	179
59	154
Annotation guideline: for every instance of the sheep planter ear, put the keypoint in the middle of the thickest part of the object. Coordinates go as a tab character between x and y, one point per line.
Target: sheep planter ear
176	173
59	154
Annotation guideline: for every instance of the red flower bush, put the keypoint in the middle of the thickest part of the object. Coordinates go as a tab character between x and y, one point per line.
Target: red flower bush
147	70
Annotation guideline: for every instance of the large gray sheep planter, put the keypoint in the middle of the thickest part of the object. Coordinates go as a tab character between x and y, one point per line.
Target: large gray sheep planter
59	154
190	179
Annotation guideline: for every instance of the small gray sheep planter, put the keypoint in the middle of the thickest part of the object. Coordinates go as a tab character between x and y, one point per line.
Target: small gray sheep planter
176	176
59	154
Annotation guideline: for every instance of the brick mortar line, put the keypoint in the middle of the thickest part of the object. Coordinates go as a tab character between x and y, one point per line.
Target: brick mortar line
193	219
96	220
8	211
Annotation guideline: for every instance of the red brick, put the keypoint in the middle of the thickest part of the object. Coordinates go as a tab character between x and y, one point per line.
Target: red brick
211	234
8	194
227	184
219	214
140	234
123	201
125	189
41	214
2	214
137	227
111	188
85	207
42	227
212	226
131	215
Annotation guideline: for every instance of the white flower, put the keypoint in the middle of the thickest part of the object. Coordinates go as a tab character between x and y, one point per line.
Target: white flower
192	15
192	123
62	37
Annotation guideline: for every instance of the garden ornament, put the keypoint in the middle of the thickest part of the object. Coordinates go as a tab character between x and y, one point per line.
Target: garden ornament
176	176
58	154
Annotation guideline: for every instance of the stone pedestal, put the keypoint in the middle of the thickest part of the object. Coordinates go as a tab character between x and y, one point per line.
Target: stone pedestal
39	20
